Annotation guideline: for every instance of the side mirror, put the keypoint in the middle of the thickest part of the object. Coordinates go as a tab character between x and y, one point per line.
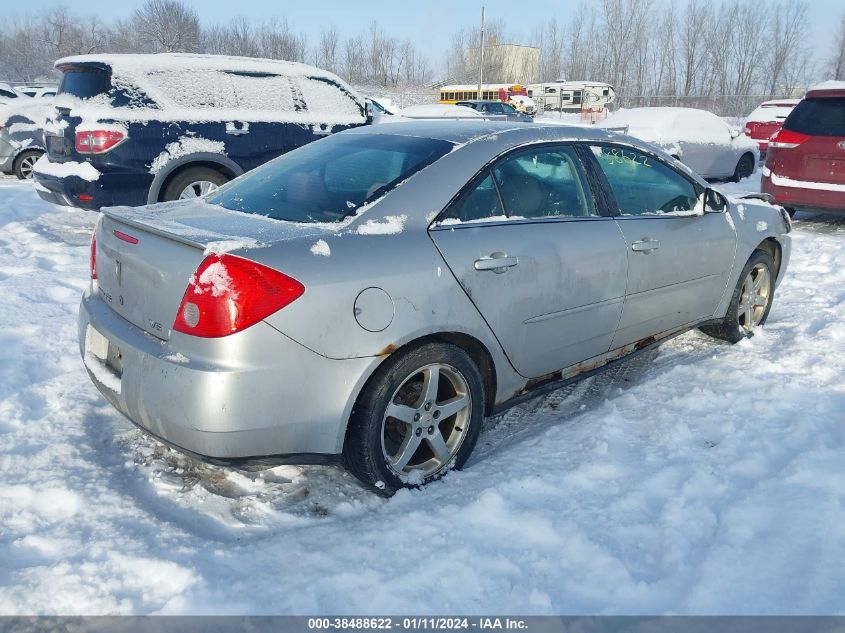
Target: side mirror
734	133
714	202
369	110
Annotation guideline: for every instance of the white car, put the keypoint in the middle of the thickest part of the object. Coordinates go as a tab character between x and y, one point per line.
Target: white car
698	138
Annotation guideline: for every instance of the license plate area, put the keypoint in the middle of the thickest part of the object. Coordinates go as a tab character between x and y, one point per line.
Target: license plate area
104	359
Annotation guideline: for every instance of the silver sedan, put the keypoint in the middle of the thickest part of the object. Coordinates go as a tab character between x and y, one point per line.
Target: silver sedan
373	295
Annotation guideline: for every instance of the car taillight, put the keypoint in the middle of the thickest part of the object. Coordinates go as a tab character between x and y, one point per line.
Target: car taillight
787	139
228	294
98	141
749	128
94	255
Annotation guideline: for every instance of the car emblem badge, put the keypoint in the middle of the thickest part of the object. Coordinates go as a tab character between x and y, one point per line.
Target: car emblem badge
841	144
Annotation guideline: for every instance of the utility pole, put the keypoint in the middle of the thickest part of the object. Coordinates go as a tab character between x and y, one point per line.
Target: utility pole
481	64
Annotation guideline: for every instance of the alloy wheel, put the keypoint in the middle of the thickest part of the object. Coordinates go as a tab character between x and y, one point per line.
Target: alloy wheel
754	297
426	422
197	189
27	165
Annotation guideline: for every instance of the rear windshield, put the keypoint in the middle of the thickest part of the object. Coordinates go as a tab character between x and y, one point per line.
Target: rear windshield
329	179
86	83
818	117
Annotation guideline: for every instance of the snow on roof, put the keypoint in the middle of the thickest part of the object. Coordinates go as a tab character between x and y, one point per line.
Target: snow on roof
131	65
828	85
666	125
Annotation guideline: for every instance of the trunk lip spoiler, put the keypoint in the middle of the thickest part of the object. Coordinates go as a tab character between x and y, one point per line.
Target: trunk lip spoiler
116	214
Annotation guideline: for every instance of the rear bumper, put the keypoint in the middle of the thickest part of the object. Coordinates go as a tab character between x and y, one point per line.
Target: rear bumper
809	199
280	400
110	189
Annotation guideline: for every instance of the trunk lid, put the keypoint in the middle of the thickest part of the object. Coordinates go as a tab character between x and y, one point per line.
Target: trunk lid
821	157
147	255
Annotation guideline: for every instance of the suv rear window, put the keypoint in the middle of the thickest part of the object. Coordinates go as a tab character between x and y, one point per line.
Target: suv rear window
328	180
85	83
818	117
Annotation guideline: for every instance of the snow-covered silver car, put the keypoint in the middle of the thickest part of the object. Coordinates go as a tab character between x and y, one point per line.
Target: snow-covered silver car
698	138
375	294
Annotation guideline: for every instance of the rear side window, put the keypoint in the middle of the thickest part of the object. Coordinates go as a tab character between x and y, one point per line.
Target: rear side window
642	185
201	88
269	93
818	117
542	183
326	97
85	83
479	203
330	179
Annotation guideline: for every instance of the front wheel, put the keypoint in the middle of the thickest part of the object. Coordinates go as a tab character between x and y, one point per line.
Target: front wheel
418	417
751	300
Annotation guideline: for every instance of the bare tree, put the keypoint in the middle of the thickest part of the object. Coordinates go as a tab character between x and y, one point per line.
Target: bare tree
837	59
168	26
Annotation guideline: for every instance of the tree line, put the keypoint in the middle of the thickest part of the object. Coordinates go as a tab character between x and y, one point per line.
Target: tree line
654	52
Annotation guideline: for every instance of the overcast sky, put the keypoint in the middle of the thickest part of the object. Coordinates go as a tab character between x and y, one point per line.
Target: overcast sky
428	23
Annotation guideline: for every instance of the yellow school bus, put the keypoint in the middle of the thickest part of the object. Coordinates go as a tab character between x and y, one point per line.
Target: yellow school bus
489	92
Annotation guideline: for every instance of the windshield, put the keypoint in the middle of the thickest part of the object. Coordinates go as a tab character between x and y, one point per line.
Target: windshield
329	179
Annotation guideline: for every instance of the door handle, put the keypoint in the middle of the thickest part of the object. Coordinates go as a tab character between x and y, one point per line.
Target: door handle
645	245
497	262
236	131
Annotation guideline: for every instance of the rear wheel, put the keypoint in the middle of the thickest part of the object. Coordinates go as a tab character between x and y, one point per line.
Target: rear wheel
751	300
790	211
418	417
744	168
193	183
25	162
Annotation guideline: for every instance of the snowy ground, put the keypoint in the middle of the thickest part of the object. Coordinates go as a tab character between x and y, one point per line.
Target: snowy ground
707	478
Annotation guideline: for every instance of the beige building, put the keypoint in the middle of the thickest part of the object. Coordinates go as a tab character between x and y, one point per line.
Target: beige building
507	63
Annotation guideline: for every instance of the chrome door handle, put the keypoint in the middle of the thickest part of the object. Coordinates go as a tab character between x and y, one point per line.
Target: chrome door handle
645	245
236	131
497	262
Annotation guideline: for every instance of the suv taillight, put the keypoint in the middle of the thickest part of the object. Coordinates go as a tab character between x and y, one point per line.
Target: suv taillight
98	141
228	294
787	139
93	264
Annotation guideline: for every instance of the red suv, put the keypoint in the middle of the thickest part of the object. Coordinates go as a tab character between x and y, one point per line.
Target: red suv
805	164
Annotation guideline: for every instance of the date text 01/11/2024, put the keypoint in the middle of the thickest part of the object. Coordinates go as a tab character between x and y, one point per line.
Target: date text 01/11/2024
431	623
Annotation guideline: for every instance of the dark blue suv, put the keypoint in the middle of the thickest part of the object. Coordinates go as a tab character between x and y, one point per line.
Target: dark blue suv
139	129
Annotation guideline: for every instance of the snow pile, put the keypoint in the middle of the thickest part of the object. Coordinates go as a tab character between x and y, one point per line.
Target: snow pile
321	247
705	478
389	225
85	171
215	279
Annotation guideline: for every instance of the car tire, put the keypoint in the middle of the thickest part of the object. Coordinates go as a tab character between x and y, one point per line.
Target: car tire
388	453
790	211
25	162
744	168
193	183
745	312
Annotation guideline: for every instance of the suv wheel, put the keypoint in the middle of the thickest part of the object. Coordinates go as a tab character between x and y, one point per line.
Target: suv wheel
193	183
418	417
25	162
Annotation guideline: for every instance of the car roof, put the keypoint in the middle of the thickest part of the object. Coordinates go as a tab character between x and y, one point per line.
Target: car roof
826	89
464	131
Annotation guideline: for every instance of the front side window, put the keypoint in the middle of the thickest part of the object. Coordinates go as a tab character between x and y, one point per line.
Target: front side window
544	182
508	108
643	185
328	180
